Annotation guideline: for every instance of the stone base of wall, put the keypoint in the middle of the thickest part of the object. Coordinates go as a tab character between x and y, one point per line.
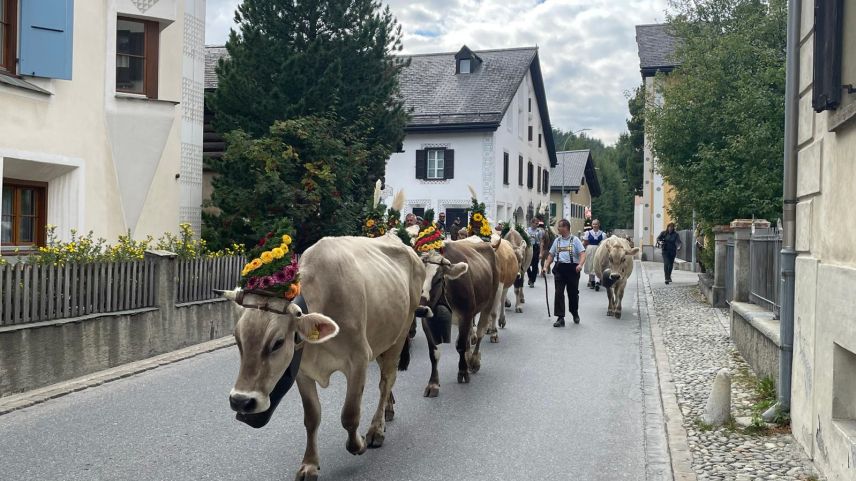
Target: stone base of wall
715	295
756	335
40	354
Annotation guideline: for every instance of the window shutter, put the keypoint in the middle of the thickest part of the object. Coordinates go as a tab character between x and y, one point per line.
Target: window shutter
46	38
505	168
828	37
421	164
538	183
448	164
520	170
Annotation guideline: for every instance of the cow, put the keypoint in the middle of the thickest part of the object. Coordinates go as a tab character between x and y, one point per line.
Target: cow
361	295
463	278
523	252
613	264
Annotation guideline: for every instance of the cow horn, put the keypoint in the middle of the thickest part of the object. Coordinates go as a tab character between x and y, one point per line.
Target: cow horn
231	295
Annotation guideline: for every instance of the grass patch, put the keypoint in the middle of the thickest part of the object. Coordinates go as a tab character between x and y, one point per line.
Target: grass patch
702	426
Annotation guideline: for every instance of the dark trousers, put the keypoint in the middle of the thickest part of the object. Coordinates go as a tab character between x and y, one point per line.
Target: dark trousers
532	272
668	264
567	279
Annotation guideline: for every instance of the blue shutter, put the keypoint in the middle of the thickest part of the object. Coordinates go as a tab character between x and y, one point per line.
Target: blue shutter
46	38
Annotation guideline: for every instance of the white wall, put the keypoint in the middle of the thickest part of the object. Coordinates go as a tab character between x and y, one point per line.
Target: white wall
653	192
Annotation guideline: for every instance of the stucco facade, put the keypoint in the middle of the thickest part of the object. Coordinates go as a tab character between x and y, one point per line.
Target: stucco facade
823	402
113	161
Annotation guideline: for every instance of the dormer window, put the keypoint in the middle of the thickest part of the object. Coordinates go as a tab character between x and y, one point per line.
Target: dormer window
466	61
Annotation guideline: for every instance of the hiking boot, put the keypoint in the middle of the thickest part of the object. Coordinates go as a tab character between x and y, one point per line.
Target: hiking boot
560	322
576	318
597	286
591	285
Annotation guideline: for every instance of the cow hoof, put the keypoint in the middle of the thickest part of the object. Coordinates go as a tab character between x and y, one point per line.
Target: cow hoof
356	448
432	390
609	313
489	331
494	338
518	310
507	303
501	324
375	437
617	314
463	377
307	472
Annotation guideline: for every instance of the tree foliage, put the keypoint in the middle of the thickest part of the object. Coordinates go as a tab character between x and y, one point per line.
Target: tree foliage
320	64
718	136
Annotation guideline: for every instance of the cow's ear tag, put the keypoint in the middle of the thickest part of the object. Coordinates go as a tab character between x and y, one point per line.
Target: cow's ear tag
314	334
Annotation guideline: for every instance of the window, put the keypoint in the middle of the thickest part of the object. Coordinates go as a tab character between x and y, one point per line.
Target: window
828	42
137	57
435	164
464	65
505	168
539	141
419	211
520	170
552	209
530	133
538	183
8	35
530	104
530	176
23	212
546	181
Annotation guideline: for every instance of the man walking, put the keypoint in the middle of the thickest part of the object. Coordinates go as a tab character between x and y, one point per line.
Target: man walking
569	254
441	223
535	234
669	242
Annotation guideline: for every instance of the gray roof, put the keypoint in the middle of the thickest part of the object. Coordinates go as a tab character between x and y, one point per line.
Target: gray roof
572	166
438	96
212	55
656	48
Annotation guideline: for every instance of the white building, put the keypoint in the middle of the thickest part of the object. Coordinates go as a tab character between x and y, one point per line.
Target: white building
479	119
102	117
656	55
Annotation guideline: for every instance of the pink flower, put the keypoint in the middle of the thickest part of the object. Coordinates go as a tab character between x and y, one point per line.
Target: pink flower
266	282
289	272
281	277
252	283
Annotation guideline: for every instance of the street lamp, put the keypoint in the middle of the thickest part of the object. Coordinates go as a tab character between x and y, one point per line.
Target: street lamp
564	145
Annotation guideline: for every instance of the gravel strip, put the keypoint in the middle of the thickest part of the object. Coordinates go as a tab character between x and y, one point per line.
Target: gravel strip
698	346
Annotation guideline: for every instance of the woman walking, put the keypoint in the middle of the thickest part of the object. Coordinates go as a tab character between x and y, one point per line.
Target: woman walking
670	243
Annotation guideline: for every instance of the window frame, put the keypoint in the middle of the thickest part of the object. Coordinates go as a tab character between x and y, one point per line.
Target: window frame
441	170
151	56
41	190
531	131
469	64
10	43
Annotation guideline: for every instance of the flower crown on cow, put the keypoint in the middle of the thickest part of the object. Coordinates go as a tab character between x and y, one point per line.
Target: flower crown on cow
505	227
378	220
478	224
430	238
273	269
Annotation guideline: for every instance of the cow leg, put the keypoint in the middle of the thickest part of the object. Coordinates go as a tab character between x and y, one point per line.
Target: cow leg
388	364
518	296
433	388
462	345
311	420
610	295
356	377
501	315
485	318
619	295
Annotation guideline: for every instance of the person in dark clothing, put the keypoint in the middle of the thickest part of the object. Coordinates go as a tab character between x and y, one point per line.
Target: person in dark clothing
441	222
453	230
570	256
669	243
535	232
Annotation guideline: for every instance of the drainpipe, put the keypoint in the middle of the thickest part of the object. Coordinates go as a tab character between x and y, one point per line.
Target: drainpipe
789	254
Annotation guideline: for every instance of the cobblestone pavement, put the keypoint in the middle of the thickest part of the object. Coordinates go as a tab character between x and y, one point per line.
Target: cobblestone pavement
697	343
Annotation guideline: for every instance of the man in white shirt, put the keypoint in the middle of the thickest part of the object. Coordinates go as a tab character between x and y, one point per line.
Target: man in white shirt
570	256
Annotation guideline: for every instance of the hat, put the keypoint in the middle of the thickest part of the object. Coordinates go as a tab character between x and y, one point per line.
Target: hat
273	270
430	238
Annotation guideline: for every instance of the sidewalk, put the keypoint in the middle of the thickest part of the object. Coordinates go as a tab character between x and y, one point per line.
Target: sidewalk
695	339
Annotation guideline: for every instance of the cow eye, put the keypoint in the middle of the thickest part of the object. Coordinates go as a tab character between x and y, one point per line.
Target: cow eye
278	344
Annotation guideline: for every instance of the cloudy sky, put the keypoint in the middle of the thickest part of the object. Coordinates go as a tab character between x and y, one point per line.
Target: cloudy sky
587	47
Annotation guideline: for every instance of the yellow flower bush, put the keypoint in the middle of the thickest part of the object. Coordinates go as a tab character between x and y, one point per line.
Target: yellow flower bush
478	217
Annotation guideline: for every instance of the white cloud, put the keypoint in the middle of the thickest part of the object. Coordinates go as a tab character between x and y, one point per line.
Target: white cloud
587	47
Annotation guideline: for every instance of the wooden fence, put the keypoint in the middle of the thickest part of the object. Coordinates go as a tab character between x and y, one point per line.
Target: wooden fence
33	293
197	278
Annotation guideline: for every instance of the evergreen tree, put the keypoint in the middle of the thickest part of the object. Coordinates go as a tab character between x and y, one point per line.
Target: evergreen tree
305	61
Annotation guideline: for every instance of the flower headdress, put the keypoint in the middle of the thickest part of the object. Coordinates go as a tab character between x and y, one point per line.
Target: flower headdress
273	270
430	238
374	224
478	224
506	227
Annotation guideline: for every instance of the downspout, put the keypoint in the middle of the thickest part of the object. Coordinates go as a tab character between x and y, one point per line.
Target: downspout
789	197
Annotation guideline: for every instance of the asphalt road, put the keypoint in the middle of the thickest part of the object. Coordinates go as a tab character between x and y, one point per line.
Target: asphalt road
548	404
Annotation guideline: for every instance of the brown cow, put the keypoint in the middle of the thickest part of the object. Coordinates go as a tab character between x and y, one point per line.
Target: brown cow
613	264
507	268
463	279
523	252
362	293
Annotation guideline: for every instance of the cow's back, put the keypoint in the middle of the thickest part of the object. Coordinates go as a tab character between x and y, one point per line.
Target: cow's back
506	262
370	287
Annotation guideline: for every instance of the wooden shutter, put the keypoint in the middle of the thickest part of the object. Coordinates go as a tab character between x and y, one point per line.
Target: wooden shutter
46	38
421	164
520	170
539	179
505	168
828	38
448	164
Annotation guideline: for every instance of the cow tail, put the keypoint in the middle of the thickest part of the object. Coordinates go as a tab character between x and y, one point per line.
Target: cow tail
404	359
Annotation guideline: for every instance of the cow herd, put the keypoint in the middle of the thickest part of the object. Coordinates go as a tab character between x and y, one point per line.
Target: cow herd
360	297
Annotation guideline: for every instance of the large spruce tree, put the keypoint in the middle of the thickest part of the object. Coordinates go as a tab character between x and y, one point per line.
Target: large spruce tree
305	61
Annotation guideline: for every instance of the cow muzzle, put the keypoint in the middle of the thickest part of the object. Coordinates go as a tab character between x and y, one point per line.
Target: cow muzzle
424	311
246	403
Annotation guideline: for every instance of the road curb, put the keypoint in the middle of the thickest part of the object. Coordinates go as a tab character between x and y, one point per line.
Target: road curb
676	434
38	396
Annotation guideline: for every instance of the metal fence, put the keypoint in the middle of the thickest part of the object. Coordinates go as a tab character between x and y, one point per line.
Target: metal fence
687	245
764	255
197	278
33	293
729	270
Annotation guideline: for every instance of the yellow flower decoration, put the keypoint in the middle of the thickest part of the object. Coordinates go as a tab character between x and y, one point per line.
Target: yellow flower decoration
370	223
255	263
284	248
278	252
266	257
286	239
478	217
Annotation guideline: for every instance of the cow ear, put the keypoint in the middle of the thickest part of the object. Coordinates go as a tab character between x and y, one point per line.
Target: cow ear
456	270
633	252
316	328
